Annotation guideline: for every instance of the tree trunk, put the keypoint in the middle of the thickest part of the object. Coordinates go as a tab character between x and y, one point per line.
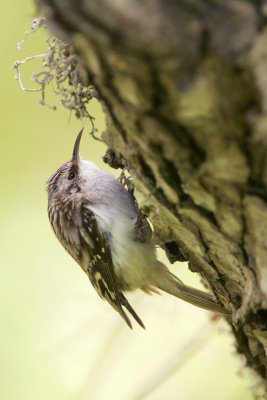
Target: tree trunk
184	88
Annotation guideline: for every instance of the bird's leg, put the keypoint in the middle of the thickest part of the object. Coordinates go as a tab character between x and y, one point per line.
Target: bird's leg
122	178
140	216
126	182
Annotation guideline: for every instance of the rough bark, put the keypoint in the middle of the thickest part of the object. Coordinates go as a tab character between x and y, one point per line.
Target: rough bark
184	88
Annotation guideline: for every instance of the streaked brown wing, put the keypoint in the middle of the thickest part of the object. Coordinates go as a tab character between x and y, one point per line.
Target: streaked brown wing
100	268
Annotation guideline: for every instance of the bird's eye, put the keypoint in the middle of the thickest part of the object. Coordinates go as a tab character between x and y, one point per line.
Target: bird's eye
71	176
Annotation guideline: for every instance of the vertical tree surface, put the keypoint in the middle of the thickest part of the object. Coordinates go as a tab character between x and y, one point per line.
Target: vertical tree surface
184	88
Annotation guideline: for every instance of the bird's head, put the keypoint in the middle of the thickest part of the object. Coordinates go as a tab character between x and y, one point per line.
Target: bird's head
67	179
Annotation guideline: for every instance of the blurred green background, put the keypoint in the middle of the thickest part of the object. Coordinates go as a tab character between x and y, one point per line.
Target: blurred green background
58	339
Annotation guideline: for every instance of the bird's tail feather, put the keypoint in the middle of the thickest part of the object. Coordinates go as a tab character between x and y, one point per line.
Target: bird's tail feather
169	283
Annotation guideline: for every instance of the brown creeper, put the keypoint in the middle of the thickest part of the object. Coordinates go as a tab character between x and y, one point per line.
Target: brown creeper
99	224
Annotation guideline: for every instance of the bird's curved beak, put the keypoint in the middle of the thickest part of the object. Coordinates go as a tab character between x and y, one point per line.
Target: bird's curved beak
75	155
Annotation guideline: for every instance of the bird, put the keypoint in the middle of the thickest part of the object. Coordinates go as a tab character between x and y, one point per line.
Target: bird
99	223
